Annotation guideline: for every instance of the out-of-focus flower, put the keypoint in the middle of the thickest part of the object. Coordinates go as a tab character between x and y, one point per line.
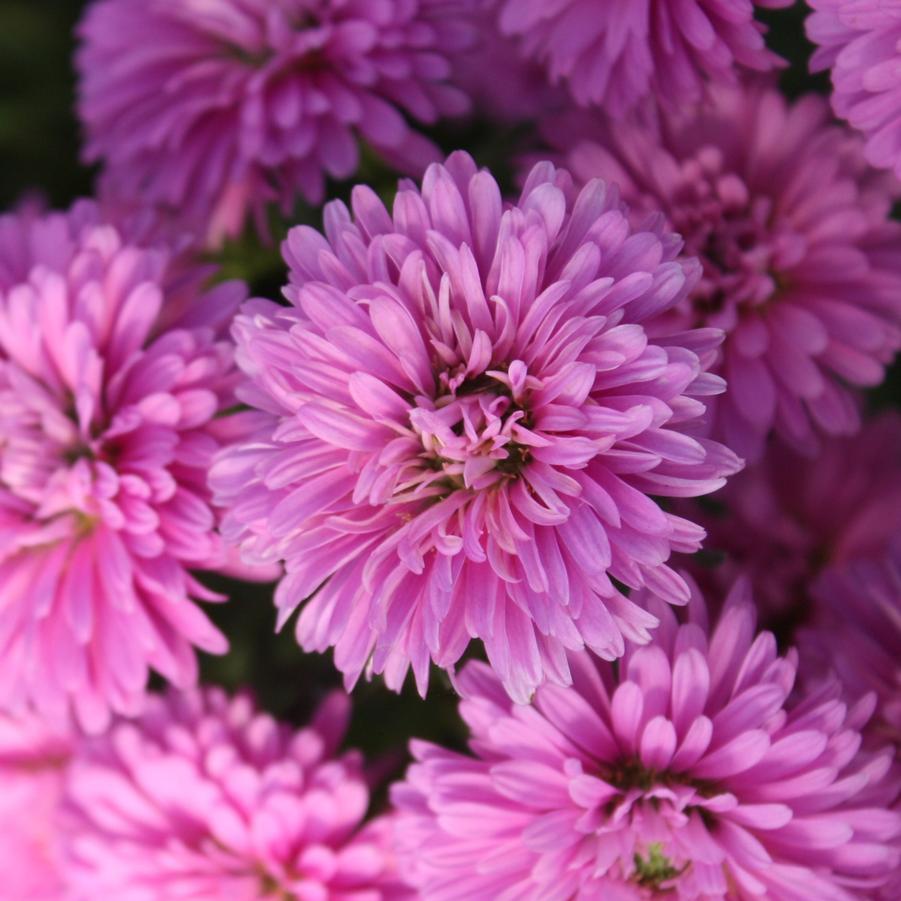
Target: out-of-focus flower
231	104
468	418
504	86
32	757
787	519
613	55
855	630
802	265
860	42
689	771
205	799
115	379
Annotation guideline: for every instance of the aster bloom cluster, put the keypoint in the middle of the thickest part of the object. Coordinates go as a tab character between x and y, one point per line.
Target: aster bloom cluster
688	772
552	451
231	104
468	418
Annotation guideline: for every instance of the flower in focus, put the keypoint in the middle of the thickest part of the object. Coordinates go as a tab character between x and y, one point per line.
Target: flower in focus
860	42
613	55
205	798
232	104
32	758
802	265
468	420
114	381
689	771
855	630
788	519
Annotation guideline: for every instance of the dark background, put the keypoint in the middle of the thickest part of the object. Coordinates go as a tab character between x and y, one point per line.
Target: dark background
39	147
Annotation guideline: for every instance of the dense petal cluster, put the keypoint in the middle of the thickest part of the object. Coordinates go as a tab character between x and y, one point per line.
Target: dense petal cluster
205	798
114	375
614	55
788	519
231	104
855	630
468	420
32	757
689	771
860	42
802	265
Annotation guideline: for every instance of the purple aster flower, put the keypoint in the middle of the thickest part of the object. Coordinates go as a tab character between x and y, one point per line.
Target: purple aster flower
613	55
205	798
860	41
856	631
468	420
230	104
787	519
114	378
689	771
802	265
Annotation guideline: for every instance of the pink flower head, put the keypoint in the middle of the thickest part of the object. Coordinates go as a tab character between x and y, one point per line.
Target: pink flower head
855	630
114	376
802	265
231	104
860	41
614	54
689	771
787	519
32	757
468	418
205	799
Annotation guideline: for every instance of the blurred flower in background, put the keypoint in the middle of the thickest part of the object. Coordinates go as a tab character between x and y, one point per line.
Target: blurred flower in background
802	265
231	105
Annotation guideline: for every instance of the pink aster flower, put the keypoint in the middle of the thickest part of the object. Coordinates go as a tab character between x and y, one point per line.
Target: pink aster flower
114	376
231	104
802	265
860	41
689	771
856	631
467	420
613	55
205	799
787	519
32	757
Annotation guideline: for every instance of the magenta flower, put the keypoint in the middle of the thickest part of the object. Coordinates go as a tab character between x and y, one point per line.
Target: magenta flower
802	266
688	771
232	104
613	55
205	799
32	757
860	41
468	418
113	380
788	519
856	631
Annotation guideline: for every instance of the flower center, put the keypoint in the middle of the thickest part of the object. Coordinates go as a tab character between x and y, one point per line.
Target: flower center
729	230
655	869
471	434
